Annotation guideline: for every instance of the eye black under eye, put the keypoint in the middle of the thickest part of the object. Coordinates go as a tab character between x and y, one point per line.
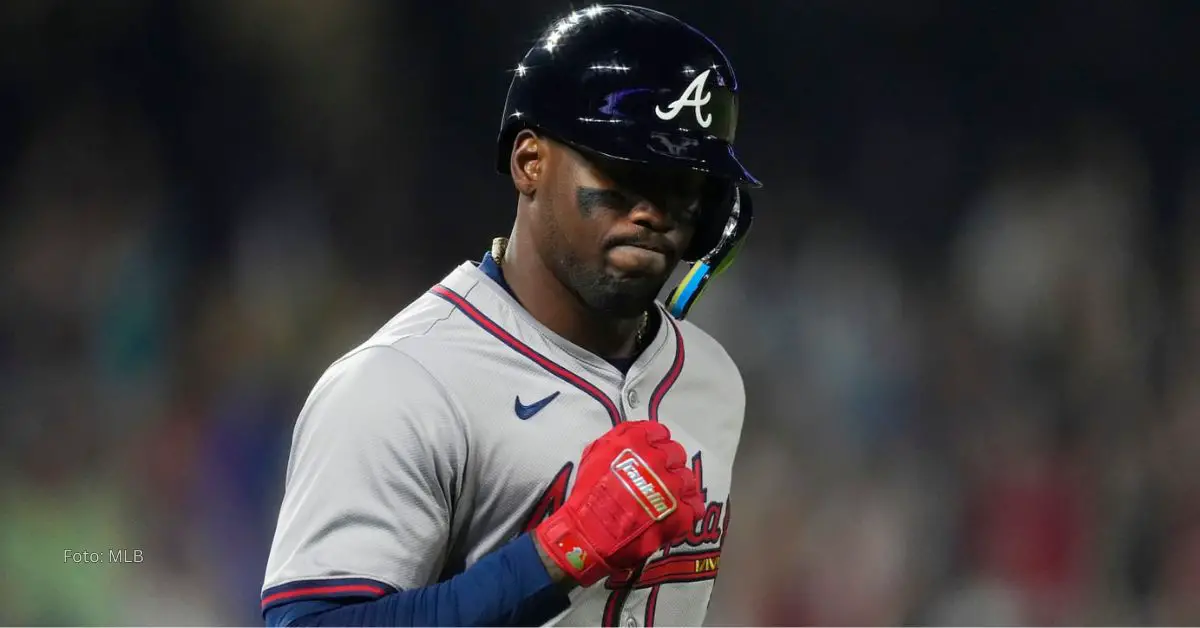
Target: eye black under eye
589	199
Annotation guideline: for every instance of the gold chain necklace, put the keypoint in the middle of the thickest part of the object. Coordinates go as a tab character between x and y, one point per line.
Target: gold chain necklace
500	244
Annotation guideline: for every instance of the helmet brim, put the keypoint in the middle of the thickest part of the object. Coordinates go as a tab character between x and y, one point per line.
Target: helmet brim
656	148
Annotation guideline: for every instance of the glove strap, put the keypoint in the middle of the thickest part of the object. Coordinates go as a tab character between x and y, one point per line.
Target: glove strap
570	550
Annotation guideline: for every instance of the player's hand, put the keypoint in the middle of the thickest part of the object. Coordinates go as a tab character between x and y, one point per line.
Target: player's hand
632	496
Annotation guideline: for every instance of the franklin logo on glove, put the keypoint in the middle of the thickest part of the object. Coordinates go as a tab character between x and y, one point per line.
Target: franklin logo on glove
644	485
633	496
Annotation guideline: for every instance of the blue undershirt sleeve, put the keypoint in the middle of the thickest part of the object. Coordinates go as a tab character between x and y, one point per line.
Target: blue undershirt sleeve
509	587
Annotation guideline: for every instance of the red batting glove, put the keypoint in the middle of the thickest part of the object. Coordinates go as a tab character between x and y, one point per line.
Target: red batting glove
632	496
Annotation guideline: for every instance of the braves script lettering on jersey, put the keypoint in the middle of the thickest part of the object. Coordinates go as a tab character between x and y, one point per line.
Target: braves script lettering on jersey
410	461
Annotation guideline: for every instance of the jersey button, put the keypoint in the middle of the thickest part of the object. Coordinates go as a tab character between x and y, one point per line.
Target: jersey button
632	396
630	621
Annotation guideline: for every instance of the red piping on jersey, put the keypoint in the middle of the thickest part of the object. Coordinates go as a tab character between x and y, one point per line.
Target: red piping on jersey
322	591
612	608
668	380
493	328
651	603
652	599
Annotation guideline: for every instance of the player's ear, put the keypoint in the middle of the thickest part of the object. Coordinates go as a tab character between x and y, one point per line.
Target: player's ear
527	161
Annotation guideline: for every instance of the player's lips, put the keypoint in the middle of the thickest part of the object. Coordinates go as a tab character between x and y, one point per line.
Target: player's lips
638	260
638	251
654	246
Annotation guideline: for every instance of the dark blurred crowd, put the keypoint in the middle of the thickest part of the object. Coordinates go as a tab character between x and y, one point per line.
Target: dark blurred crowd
967	318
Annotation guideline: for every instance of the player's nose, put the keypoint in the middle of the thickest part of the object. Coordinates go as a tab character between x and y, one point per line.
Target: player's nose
648	214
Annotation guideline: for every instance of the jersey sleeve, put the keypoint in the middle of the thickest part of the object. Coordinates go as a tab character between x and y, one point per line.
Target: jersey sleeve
376	459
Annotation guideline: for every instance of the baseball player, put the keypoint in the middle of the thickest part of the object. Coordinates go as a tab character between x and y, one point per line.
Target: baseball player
536	440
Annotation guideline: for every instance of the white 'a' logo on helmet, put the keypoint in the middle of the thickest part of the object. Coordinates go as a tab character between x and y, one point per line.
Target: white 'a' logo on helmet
694	96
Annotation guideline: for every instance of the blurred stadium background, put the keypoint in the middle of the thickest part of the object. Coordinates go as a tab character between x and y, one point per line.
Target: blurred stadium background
968	319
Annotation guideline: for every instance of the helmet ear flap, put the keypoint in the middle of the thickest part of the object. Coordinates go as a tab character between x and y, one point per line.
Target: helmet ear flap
716	260
741	218
715	204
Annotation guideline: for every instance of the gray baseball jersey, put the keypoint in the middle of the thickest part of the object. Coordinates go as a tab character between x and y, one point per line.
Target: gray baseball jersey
458	426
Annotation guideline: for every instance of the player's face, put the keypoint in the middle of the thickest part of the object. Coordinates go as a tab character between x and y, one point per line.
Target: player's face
621	228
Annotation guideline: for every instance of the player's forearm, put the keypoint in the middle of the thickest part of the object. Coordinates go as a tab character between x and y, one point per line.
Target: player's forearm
510	587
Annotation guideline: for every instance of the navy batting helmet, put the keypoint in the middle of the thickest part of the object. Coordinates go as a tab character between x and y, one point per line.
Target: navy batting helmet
634	84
